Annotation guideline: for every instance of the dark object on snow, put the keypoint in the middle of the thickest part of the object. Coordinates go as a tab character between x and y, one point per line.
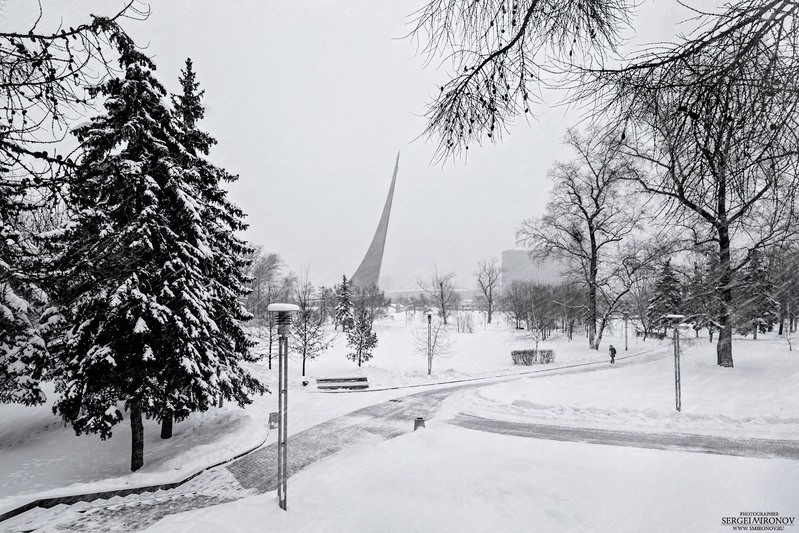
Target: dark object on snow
612	354
418	423
529	357
357	383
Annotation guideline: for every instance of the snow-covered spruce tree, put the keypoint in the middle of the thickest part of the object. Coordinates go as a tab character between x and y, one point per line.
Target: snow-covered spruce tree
360	338
343	311
43	73
149	269
666	298
695	291
23	359
756	309
223	267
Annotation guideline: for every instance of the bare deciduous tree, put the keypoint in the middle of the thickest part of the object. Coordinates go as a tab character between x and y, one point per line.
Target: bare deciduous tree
440	290
717	118
432	340
588	219
308	336
515	302
488	274
500	51
269	285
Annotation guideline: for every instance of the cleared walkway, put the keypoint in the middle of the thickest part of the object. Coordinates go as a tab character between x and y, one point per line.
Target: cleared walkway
688	442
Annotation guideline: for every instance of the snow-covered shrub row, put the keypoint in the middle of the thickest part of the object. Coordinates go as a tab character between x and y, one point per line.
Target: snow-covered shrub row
529	357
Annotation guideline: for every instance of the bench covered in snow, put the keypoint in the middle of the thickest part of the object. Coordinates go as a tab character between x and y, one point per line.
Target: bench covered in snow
342	383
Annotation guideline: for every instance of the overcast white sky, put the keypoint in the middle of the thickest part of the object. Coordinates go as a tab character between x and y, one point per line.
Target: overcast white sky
310	101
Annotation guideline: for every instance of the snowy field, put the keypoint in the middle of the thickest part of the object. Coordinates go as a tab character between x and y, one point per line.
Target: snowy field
759	398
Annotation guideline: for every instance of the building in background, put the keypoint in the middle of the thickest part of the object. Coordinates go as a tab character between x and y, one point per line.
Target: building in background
517	265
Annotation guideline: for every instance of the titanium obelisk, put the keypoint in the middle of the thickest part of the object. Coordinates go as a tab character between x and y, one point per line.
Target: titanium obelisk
368	273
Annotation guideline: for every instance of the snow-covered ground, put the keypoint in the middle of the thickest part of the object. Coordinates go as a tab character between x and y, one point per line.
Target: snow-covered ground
577	483
40	457
758	398
448	479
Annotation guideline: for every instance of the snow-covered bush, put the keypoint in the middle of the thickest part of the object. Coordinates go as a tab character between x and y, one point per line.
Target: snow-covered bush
529	357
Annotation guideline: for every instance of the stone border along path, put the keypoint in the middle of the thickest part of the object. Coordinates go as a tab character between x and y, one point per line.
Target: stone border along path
256	470
71	499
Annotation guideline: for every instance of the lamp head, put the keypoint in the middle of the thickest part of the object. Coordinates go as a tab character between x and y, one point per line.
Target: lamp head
282	314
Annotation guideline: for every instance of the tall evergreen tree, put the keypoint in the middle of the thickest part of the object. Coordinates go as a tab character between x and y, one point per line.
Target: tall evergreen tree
150	268
43	76
696	293
783	262
343	306
666	298
23	360
360	338
756	309
709	298
221	268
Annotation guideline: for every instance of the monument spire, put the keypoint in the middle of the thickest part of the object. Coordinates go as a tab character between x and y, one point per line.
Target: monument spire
368	272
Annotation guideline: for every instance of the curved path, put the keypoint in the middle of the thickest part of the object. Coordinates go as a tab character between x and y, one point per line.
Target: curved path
689	442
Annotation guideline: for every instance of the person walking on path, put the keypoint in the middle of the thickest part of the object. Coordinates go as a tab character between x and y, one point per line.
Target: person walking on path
612	354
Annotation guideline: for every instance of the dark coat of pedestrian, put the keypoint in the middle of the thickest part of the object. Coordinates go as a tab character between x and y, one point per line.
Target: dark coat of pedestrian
612	351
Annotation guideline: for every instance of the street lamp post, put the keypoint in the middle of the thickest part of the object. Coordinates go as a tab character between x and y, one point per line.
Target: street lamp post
625	330
675	321
283	319
429	314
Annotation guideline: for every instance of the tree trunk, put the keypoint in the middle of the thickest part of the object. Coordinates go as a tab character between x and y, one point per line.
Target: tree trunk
724	346
592	317
599	332
592	313
303	365
443	304
137	436
489	310
166	426
270	348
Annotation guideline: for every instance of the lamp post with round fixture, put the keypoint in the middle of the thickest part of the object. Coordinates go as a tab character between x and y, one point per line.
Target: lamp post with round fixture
675	321
283	319
429	314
